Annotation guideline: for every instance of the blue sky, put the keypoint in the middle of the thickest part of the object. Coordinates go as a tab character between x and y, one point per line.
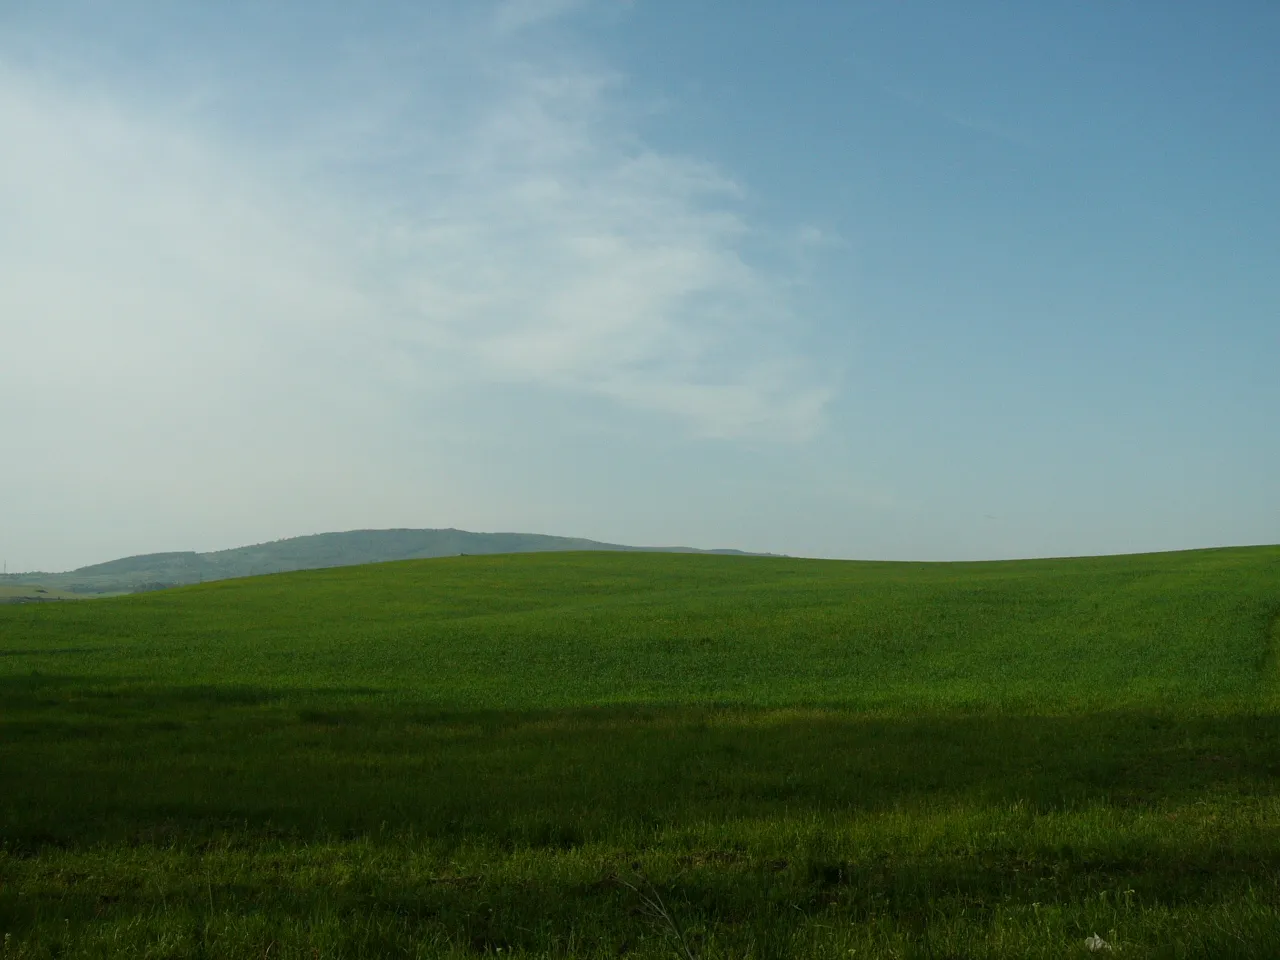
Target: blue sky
868	280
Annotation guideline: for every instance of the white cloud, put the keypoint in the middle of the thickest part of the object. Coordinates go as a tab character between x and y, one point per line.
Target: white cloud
137	258
565	253
541	244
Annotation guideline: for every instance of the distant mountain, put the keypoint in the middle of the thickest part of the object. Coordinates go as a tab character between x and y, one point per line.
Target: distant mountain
154	571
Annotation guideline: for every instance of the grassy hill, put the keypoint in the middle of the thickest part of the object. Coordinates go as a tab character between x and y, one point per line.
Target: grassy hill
605	754
160	570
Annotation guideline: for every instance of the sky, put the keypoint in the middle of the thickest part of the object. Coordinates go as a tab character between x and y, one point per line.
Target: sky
872	280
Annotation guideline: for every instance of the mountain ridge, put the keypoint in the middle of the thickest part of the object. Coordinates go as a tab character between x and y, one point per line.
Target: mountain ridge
150	571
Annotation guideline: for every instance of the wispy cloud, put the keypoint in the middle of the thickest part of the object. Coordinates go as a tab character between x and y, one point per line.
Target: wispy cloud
566	254
937	108
528	237
512	15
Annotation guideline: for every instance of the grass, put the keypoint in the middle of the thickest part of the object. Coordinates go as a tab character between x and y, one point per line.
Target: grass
601	755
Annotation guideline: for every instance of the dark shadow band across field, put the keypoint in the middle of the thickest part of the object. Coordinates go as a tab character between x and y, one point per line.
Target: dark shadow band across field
84	763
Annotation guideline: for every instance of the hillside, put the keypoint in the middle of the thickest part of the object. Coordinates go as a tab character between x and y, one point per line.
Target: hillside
584	627
159	570
601	754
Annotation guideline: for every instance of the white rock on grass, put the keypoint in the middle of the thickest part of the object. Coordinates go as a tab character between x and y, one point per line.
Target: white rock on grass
1096	944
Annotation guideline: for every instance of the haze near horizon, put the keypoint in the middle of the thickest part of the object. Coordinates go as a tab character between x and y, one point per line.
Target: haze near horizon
880	282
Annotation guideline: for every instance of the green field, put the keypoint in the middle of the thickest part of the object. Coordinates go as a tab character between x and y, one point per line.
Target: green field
645	755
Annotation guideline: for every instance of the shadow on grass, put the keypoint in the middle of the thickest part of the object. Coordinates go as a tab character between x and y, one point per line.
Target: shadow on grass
54	651
81	763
